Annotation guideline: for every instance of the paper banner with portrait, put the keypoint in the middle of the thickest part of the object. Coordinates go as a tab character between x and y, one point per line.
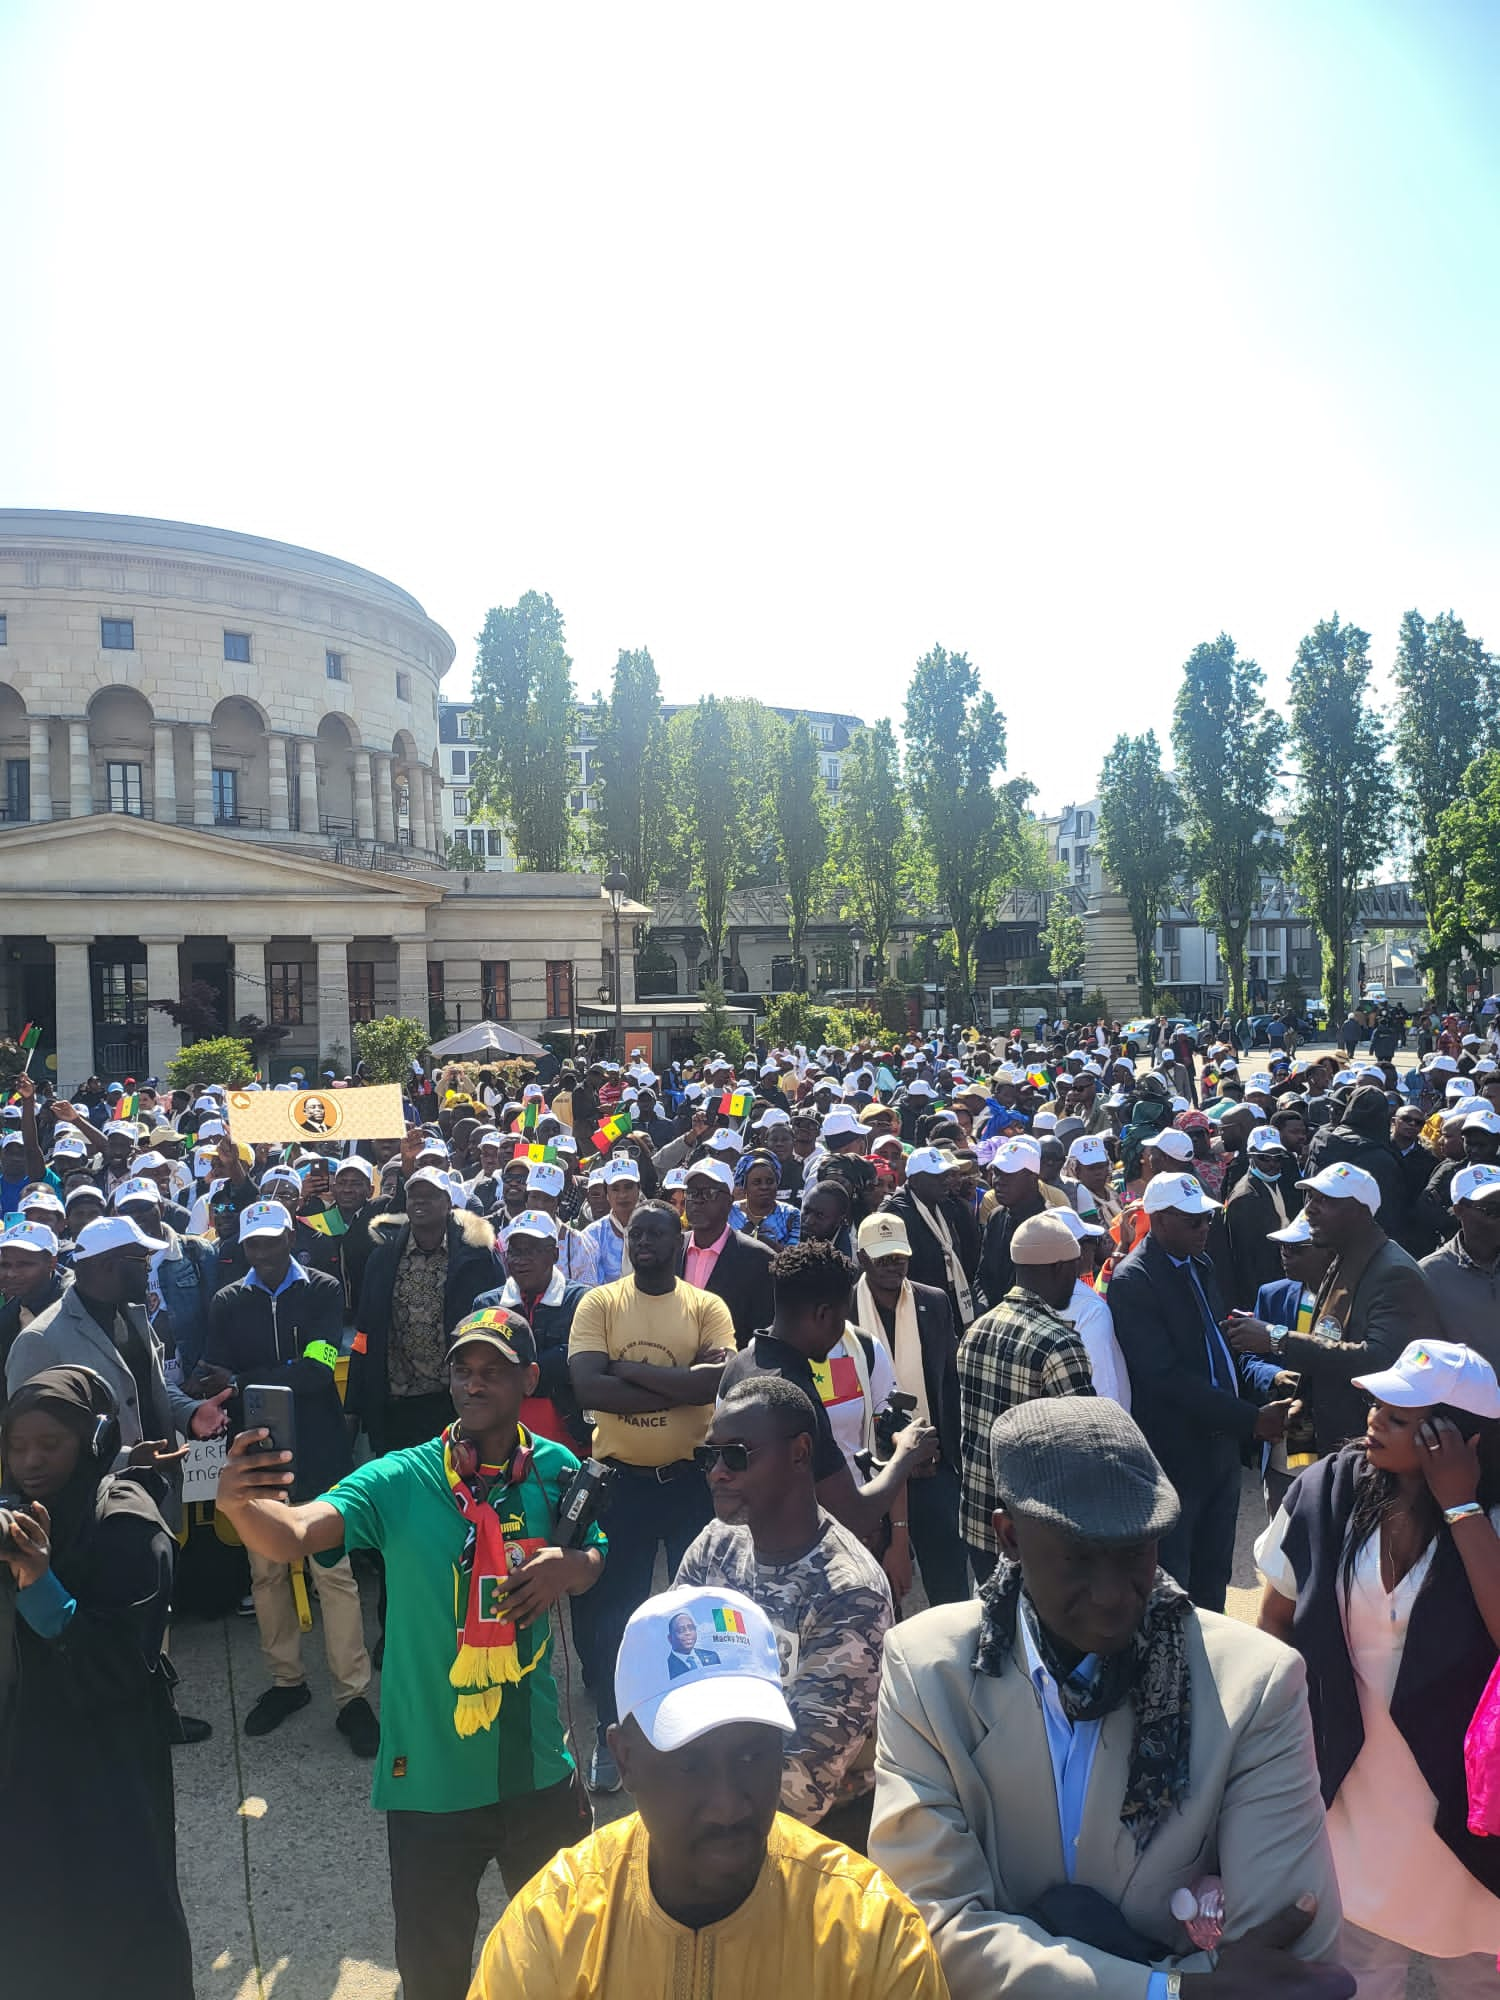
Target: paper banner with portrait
287	1117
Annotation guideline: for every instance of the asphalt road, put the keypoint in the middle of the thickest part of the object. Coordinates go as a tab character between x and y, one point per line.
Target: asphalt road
282	1861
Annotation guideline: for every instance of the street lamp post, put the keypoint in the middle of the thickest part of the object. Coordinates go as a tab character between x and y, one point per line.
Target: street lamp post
617	883
857	947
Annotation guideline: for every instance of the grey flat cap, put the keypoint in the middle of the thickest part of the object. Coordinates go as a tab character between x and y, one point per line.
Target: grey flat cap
1081	1463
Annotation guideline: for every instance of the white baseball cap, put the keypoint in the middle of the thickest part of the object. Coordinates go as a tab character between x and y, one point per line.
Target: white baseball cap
1182	1191
1176	1145
262	1218
709	1170
1486	1119
727	1140
773	1115
1477	1183
1436	1371
431	1177
728	1671
882	1235
139	1189
920	1087
1265	1139
39	1195
1298	1230
70	1147
1439	1062
1076	1223
112	1232
930	1160
1088	1150
675	1178
622	1169
1045	1121
1344	1182
35	1236
1014	1156
355	1162
545	1176
841	1124
534	1222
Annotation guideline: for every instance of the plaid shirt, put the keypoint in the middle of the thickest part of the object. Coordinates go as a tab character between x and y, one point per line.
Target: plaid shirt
1018	1351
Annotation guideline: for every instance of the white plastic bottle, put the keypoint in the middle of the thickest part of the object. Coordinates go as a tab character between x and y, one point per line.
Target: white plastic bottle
1199	1908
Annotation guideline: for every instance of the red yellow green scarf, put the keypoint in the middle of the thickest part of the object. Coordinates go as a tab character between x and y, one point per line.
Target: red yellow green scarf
487	1660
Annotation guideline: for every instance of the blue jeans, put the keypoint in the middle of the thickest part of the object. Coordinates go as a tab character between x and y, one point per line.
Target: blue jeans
640	1514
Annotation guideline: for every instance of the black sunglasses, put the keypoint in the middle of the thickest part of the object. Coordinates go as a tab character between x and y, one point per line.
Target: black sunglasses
736	1457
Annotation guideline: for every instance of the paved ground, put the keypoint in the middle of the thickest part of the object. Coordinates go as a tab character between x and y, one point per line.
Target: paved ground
282	1860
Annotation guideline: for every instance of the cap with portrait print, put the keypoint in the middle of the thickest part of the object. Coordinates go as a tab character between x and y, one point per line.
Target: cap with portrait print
693	1660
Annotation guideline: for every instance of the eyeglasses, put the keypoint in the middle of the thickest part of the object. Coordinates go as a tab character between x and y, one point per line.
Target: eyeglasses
736	1457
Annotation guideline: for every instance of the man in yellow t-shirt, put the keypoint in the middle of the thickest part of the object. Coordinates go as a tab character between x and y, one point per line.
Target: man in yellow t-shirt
645	1356
707	1890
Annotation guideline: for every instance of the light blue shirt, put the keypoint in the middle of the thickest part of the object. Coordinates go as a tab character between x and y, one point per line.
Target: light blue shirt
295	1276
1071	1747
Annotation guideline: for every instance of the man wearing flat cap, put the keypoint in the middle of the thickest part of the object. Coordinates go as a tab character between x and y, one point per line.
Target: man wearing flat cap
1059	1759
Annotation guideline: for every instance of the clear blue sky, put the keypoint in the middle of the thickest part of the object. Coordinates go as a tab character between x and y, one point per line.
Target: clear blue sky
786	340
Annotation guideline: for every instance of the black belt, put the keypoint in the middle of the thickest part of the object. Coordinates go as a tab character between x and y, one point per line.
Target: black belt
663	1475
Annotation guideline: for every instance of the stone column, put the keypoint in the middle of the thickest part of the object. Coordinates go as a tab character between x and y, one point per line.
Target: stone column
385	800
248	993
163	982
422	795
333	997
276	754
307	786
80	781
203	775
411	978
364	803
164	782
75	1011
41	769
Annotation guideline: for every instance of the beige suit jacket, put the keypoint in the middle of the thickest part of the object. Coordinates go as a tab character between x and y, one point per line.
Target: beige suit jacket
965	1817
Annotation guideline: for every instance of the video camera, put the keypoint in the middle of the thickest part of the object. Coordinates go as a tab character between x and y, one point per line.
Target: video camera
579	1507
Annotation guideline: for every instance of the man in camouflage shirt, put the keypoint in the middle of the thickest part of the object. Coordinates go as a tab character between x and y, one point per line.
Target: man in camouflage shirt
826	1596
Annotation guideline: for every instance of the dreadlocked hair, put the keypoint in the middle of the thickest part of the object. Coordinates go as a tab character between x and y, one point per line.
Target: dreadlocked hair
1377	1493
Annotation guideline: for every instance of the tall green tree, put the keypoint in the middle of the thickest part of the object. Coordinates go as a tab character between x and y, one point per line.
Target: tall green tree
1063	943
1345	797
1225	742
630	823
1137	841
523	696
969	818
1447	712
871	835
712	794
800	799
1465	860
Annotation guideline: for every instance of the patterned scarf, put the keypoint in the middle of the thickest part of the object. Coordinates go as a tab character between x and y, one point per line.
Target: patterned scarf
488	1659
1151	1673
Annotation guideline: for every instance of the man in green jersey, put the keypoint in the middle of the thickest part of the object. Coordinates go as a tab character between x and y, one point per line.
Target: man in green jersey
473	1765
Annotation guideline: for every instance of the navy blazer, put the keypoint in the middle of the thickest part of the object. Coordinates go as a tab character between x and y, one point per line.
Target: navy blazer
1159	1325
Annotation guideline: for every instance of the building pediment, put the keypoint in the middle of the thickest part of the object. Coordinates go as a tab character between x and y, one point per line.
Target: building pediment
114	854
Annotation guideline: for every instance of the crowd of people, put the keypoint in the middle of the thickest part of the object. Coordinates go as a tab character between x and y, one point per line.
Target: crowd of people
927	1373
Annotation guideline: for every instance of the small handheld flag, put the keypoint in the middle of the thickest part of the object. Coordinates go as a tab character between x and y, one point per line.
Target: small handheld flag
614	1127
535	1153
735	1104
29	1036
127	1107
527	1120
328	1222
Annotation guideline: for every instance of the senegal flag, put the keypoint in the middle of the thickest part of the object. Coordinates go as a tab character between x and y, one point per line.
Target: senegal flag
328	1222
736	1103
527	1121
536	1154
127	1107
614	1127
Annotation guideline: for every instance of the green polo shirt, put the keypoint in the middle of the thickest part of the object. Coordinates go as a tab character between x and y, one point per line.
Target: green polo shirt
402	1505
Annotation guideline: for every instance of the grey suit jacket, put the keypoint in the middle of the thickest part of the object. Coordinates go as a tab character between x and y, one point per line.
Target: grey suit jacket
965	1819
67	1334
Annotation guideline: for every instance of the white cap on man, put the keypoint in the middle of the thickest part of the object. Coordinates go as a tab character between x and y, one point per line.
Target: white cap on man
1180	1191
694	1660
1342	1181
1176	1145
534	1222
1088	1150
709	1170
1015	1156
545	1176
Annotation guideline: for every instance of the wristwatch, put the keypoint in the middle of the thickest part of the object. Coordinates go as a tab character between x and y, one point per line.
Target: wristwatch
1276	1335
1174	1986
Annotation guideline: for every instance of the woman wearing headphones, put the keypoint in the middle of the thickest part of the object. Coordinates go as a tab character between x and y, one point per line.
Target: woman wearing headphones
86	1566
